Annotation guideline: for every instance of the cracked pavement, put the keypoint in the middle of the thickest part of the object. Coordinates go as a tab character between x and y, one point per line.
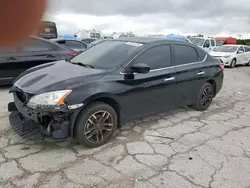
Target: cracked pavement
180	148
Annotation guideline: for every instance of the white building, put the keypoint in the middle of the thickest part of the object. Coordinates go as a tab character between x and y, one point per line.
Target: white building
88	34
117	35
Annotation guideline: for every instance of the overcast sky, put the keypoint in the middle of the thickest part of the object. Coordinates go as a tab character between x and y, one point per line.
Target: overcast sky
209	17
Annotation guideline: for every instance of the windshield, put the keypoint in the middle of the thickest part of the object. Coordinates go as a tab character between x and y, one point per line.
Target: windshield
107	55
197	41
226	49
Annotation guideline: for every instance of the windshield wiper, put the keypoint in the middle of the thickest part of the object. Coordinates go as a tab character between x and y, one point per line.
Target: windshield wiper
82	64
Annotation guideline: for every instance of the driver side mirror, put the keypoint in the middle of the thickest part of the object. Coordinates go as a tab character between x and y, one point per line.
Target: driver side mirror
140	68
240	52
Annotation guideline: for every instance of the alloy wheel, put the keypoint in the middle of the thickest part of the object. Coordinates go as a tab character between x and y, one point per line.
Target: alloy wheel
207	97
99	126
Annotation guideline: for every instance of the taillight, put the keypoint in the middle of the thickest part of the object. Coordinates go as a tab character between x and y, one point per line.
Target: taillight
222	66
73	54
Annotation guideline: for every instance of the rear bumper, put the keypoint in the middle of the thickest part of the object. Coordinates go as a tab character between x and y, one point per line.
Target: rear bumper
219	82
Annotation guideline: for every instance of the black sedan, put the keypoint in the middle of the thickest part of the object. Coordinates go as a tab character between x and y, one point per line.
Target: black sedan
94	43
88	40
109	84
35	51
75	45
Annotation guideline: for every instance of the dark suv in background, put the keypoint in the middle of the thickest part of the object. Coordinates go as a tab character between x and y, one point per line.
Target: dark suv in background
35	51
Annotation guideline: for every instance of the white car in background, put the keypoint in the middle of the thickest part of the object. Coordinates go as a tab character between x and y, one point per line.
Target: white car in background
232	55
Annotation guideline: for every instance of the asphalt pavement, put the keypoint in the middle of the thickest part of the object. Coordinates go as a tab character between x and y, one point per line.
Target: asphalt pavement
181	148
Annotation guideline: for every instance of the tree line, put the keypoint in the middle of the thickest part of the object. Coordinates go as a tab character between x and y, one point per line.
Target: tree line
243	41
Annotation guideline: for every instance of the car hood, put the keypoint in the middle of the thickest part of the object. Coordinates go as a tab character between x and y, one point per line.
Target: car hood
220	54
54	76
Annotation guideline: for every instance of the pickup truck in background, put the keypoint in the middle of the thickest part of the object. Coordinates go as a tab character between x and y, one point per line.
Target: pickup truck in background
207	43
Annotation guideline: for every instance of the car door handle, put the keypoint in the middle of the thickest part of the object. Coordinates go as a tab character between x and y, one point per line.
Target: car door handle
201	73
169	79
11	59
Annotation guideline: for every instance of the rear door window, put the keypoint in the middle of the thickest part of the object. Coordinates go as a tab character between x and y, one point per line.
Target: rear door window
184	54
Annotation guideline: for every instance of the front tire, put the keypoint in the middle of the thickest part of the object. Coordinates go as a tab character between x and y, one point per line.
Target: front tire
205	97
96	125
233	63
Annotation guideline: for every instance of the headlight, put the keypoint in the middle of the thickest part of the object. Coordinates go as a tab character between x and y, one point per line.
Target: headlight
49	100
227	56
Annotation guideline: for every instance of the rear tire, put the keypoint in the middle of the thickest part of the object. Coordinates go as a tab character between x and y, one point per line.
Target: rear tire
96	125
205	97
233	63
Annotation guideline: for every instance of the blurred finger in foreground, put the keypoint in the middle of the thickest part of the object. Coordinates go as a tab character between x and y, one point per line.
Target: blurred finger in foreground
19	19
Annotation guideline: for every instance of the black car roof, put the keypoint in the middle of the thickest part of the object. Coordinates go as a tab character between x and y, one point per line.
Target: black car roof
89	38
146	40
65	39
42	39
58	40
49	41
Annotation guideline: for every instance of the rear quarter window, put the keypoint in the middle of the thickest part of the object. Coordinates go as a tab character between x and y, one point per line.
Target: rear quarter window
201	54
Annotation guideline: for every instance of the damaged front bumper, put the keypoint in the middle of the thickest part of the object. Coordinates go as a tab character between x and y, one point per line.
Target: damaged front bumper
38	124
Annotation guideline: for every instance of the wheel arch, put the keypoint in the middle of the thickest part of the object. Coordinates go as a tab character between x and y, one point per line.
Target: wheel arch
106	98
213	83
